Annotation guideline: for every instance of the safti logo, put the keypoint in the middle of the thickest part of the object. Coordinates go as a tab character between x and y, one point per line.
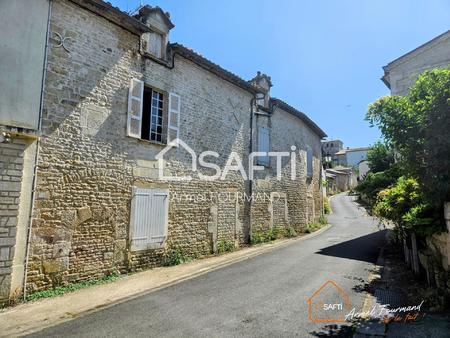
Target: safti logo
328	304
233	163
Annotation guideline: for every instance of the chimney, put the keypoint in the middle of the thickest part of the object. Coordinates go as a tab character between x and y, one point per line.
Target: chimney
262	83
155	42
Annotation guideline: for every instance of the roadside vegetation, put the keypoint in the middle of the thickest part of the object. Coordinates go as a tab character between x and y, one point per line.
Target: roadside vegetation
409	178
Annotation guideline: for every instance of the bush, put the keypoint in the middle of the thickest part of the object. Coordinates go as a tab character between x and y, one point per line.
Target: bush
257	237
225	245
416	126
290	232
404	205
176	256
323	220
326	205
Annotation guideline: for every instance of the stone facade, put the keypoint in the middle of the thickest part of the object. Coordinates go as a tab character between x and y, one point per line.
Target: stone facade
88	167
11	169
400	74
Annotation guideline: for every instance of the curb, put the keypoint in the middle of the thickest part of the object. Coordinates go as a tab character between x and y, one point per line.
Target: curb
18	328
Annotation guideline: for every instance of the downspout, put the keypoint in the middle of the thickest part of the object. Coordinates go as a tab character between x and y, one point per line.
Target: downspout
36	158
250	181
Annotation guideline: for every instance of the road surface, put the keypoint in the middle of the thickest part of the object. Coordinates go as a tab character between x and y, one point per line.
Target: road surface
264	296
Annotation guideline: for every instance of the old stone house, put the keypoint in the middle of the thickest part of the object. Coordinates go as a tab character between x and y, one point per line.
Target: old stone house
430	254
401	73
114	107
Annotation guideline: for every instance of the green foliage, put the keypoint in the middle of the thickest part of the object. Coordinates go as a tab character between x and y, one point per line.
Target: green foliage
404	205
277	232
313	226
258	237
323	220
290	232
326	205
417	126
373	183
380	157
60	290
176	256
225	245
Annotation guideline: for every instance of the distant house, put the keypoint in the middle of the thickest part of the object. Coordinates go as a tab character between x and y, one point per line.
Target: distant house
330	148
401	73
351	157
363	169
340	179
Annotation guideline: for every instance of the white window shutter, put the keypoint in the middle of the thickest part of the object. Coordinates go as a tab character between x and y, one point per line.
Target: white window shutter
263	145
174	117
149	218
155	44
309	162
135	103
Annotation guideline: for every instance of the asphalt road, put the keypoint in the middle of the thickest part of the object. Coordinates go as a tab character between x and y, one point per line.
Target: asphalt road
264	296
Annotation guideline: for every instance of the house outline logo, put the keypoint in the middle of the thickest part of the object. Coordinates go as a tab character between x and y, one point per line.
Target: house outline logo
319	305
160	157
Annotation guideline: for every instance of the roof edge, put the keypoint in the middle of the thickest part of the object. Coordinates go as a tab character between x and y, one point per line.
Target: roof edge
302	116
397	60
113	14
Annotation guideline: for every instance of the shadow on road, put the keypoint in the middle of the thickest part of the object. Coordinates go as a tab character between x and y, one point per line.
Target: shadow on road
351	249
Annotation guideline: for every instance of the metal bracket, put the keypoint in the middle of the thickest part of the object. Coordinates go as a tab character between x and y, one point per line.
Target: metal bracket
62	41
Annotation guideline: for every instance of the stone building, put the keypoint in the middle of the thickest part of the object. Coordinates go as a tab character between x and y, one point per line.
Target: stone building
134	135
400	74
330	148
429	254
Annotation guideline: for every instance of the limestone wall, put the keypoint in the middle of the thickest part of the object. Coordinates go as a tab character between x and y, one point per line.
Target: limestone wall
88	166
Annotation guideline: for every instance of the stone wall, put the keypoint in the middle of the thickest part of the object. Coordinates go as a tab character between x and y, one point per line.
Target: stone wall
403	72
11	166
88	166
296	202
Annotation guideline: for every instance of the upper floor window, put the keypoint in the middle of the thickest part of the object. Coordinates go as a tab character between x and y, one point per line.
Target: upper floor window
149	115
309	162
263	145
155	44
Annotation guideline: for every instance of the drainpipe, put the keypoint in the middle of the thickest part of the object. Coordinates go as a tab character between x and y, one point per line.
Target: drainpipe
36	158
250	182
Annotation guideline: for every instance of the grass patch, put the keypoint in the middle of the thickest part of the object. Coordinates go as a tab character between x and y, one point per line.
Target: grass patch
61	290
225	245
176	256
326	205
260	236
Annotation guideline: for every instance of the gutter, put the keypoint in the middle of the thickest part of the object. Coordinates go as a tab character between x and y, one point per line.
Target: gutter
36	159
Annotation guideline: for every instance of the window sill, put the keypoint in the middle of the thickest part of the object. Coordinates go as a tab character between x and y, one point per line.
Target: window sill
156	143
148	55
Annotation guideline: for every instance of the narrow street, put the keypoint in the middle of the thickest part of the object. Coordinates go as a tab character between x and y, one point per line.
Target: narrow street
261	297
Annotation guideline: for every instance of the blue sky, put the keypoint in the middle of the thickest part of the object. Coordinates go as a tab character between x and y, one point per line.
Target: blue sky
324	56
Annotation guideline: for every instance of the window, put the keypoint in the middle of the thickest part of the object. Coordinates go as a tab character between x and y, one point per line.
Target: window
263	145
152	116
149	118
309	162
149	218
155	44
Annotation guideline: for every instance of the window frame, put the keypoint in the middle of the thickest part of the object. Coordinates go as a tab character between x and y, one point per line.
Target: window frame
165	113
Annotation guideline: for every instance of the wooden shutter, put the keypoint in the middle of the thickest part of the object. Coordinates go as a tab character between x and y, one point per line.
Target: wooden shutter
149	217
263	145
309	162
174	117
135	102
155	44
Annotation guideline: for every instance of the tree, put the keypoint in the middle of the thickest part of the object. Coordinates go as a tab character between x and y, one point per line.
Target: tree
380	157
417	126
